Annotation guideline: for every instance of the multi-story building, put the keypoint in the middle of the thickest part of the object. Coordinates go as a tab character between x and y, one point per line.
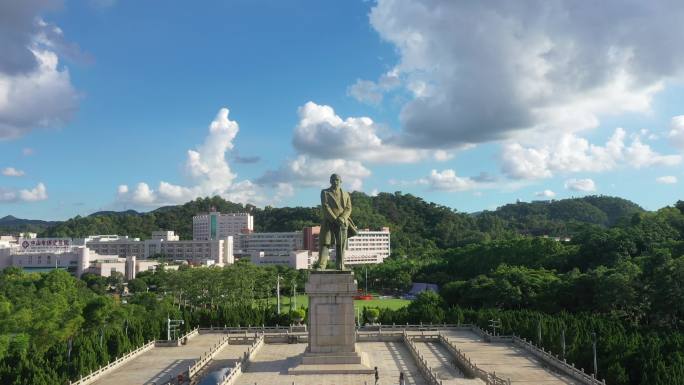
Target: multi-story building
215	225
281	243
44	254
368	246
299	259
165	243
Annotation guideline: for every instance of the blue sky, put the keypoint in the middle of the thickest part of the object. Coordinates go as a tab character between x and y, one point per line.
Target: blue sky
107	105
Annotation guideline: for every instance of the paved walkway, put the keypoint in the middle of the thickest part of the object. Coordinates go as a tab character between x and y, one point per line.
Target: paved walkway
224	359
273	360
506	360
160	364
442	363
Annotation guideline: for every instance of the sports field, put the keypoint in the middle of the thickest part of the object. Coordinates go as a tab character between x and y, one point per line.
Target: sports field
303	300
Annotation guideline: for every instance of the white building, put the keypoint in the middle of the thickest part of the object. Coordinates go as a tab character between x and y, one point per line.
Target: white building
165	243
44	254
298	259
128	266
368	246
215	225
271	244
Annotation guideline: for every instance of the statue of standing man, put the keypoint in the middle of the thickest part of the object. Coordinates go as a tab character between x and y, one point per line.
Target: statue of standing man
336	224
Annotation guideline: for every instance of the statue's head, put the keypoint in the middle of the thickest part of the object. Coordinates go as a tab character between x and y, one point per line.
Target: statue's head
335	180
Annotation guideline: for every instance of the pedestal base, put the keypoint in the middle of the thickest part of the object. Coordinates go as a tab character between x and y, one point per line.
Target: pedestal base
354	363
332	333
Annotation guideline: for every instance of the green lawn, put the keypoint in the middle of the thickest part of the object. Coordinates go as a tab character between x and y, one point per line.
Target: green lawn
303	300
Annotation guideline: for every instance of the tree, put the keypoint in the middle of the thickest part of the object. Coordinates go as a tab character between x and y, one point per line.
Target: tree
427	307
137	285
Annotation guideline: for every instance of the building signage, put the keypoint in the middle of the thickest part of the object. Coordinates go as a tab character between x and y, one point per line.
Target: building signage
44	244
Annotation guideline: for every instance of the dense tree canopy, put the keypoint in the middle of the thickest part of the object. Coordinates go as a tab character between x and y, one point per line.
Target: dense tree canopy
621	275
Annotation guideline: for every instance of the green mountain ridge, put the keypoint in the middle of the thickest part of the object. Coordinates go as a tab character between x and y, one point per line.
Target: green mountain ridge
413	221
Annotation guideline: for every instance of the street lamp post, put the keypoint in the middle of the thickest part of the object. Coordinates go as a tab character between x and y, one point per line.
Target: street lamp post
593	346
539	334
278	292
563	342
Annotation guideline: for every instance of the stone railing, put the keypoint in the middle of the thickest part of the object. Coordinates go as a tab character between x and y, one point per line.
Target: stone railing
422	364
280	329
246	329
544	356
242	364
558	364
413	327
207	356
112	365
469	368
380	336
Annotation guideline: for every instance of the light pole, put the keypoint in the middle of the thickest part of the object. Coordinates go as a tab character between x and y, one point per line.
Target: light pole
563	342
593	346
278	292
539	336
365	281
294	292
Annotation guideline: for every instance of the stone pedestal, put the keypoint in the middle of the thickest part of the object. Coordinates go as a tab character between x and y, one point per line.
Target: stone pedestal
332	332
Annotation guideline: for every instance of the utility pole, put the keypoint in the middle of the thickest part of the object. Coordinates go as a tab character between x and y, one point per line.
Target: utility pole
593	345
278	292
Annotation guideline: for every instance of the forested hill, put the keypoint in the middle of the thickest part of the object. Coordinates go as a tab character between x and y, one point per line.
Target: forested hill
559	216
13	224
413	221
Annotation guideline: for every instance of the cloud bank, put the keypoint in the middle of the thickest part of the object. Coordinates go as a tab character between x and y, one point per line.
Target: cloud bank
38	193
206	167
482	71
35	92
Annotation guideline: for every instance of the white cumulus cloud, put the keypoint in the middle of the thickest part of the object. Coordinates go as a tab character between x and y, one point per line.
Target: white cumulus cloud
676	134
370	92
584	185
545	194
481	71
38	193
667	179
447	180
571	153
321	133
206	168
310	172
35	91
11	171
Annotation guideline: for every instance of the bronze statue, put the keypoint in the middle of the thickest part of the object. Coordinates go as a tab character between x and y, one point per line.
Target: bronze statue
336	223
